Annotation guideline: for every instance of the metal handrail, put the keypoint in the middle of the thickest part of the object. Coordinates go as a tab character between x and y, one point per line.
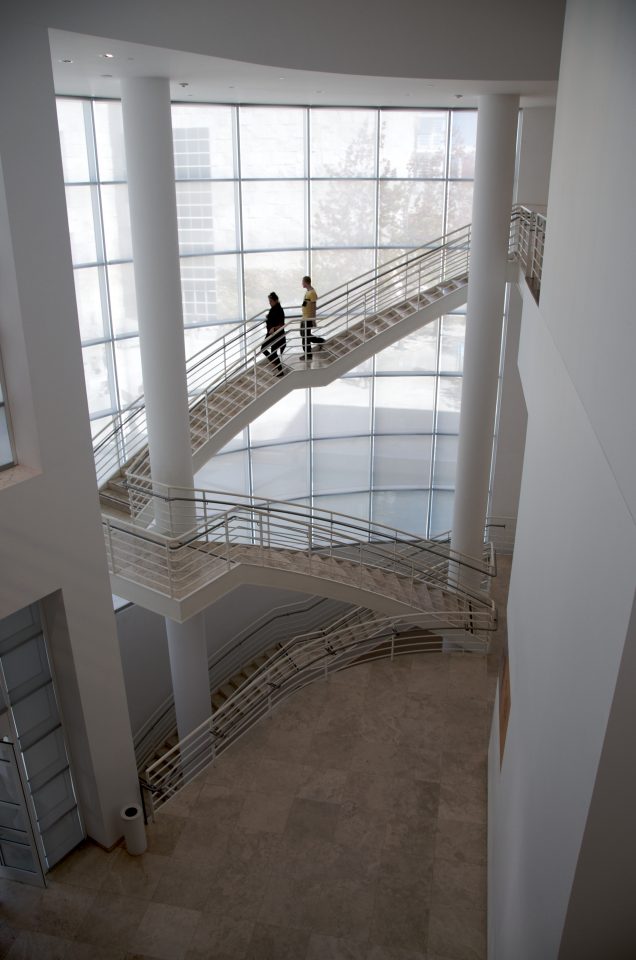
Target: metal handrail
299	662
239	351
262	633
227	531
343	308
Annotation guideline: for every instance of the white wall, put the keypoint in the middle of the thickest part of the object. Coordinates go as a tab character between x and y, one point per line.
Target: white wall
51	530
535	155
574	569
353	38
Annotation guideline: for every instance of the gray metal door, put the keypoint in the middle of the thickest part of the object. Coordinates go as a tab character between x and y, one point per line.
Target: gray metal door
19	858
25	676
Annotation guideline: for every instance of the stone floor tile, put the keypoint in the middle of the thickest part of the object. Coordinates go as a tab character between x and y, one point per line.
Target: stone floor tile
85	867
457	934
112	921
458	885
62	909
327	785
219	804
201	842
165	932
335	948
461	841
163	834
222	938
135	876
400	913
185	884
265	812
31	945
270	942
21	903
279	776
314	818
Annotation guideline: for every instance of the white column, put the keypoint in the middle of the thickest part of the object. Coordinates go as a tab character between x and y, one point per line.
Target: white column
492	199
153	221
189	666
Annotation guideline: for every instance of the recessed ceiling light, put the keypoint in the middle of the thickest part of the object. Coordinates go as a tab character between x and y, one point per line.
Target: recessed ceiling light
281	78
231	87
66	60
184	84
107	56
320	91
106	75
459	96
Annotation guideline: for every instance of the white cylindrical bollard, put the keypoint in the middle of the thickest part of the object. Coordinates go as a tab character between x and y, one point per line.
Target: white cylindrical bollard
134	831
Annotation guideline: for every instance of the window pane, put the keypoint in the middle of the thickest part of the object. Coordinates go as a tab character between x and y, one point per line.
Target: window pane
460	204
351	504
206	217
281	472
402	462
445	461
411	214
89	303
129	378
79	205
342	213
281	272
331	268
99	388
109	137
210	289
274	214
463	142
70	120
287	420
342	408
203	141
228	472
199	338
404	404
342	465
6	454
415	353
448	404
442	511
123	300
452	348
272	141
401	509
413	144
116	222
343	143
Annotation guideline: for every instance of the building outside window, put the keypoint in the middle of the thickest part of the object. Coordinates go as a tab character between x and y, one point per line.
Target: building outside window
264	196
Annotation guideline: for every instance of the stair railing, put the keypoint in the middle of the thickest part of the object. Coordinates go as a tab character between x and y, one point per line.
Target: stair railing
233	529
348	305
251	641
299	662
351	304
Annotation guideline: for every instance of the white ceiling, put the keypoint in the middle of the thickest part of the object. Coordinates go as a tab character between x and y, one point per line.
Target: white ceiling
81	69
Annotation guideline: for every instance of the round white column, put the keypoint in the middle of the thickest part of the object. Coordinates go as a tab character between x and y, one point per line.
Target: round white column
153	222
492	200
189	668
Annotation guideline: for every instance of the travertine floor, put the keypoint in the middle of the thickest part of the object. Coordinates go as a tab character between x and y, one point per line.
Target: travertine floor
351	824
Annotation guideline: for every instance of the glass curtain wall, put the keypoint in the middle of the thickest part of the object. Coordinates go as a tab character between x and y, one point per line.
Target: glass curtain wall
7	458
265	195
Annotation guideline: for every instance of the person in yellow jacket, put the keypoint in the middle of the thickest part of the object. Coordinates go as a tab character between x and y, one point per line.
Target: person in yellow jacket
308	319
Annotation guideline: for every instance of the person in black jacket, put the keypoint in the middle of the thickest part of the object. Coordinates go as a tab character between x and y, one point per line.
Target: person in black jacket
275	341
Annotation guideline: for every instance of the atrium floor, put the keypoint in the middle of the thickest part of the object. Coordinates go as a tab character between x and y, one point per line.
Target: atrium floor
350	825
